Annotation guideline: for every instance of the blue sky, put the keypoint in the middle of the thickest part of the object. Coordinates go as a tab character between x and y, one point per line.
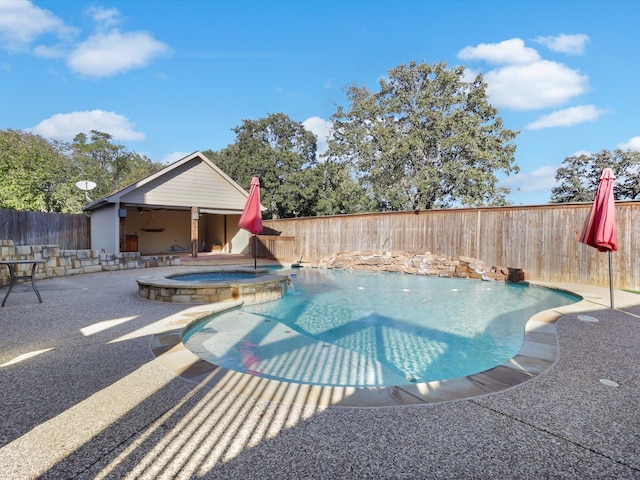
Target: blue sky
167	78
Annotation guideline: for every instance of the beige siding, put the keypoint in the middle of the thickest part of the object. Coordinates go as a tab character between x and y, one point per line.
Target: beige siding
104	229
192	184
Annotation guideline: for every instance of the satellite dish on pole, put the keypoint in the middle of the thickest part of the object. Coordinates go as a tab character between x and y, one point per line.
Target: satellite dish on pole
86	185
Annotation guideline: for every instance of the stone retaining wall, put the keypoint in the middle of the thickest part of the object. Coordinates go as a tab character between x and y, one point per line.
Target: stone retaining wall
59	263
425	263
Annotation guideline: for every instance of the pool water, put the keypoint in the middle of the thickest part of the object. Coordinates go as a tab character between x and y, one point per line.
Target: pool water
355	328
224	276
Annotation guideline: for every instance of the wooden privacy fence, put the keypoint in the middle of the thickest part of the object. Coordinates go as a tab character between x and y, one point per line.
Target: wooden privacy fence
275	247
541	240
69	232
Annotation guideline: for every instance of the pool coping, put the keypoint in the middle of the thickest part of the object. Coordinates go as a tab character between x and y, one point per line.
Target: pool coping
539	352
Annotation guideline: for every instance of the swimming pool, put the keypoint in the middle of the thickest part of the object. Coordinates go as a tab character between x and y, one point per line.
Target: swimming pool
363	329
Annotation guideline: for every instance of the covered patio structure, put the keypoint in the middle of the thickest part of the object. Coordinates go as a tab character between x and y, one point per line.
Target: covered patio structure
189	206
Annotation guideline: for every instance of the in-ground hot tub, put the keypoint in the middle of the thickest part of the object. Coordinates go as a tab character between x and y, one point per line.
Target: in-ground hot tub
214	285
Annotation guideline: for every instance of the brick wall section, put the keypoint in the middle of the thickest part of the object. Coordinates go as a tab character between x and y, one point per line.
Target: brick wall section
424	263
59	263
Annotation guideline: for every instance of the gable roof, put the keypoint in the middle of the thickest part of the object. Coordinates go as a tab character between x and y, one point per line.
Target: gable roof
191	181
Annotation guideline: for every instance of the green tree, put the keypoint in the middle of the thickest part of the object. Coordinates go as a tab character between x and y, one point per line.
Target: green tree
579	175
340	193
427	139
282	154
629	175
35	175
110	166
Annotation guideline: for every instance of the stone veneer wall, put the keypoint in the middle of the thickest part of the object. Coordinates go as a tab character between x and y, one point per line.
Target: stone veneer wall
425	263
59	263
272	288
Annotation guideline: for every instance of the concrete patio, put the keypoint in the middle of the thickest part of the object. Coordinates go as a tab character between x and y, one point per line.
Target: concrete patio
83	396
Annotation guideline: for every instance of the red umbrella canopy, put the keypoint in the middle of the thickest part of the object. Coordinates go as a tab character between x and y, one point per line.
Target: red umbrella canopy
251	218
599	231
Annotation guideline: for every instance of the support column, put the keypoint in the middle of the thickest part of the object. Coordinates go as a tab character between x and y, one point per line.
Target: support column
225	247
122	227
195	216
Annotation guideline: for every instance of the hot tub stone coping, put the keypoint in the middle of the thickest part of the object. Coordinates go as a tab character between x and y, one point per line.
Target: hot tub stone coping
166	280
263	288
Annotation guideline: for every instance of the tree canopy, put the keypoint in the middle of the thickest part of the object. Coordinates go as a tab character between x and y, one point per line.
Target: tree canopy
427	139
35	175
579	175
282	154
339	192
40	175
110	166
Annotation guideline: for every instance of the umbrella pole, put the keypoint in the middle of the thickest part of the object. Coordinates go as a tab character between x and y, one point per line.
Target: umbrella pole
611	278
255	252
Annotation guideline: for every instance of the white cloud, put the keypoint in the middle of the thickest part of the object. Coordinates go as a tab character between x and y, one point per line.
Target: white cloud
633	144
174	157
541	179
44	51
21	23
321	128
470	74
104	55
106	17
65	126
580	153
563	43
538	85
508	52
525	81
567	117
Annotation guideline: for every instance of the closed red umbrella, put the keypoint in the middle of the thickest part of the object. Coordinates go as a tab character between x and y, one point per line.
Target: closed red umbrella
251	218
599	231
